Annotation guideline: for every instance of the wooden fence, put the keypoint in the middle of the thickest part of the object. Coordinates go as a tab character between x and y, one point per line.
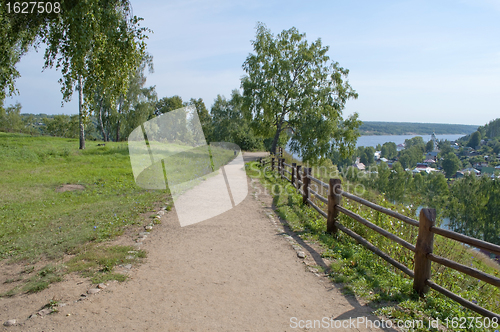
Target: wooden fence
300	177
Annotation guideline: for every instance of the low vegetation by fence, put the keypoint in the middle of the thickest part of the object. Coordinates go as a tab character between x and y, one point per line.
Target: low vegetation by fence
301	178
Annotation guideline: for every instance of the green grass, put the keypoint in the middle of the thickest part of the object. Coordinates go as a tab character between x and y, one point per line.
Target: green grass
364	274
98	262
37	222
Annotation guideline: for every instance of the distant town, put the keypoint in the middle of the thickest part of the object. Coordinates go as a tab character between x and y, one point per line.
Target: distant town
477	153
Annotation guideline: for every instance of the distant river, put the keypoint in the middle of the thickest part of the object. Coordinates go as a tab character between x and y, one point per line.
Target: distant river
398	139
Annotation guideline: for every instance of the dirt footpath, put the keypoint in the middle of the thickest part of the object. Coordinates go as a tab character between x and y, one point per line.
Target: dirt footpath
234	272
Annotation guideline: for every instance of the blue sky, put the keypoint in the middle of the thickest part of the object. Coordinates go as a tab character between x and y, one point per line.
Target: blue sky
410	61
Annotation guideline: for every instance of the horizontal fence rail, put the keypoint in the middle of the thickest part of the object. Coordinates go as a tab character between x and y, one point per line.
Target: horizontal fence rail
318	196
467	240
321	183
301	178
382	209
377	229
361	240
468	304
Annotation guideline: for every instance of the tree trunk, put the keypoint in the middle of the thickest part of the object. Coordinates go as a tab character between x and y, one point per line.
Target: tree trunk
118	131
80	113
118	122
103	131
275	140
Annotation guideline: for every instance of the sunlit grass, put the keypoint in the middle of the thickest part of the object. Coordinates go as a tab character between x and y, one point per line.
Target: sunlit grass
37	221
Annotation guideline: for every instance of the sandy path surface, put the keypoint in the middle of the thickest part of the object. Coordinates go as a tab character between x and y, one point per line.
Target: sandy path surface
234	272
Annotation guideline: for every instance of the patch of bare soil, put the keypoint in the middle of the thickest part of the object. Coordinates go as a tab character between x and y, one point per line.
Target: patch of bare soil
69	187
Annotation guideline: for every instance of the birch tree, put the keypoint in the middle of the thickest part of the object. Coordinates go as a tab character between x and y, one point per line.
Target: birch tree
292	85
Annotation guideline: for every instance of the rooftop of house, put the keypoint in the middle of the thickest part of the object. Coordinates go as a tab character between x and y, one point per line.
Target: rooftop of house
426	169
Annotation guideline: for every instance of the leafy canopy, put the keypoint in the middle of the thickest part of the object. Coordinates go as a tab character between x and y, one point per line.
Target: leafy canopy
293	86
98	40
451	164
389	150
229	124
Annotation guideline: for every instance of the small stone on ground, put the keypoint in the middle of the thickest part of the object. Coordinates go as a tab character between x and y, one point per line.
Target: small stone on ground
45	311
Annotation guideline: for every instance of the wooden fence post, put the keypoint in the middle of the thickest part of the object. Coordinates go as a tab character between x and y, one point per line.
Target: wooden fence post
293	173
299	176
425	242
272	164
334	199
306	182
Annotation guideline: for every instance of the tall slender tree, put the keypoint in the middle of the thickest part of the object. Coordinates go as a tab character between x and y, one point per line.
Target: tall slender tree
94	43
293	86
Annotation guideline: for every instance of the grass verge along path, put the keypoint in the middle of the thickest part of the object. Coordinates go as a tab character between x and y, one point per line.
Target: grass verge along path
366	275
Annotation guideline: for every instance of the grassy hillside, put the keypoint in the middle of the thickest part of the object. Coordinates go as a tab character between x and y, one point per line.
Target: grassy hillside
38	222
409	128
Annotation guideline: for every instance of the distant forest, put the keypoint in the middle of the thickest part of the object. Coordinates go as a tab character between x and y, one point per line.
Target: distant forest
414	128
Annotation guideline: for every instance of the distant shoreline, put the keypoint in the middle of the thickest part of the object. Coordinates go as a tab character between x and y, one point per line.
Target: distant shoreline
373	128
412	134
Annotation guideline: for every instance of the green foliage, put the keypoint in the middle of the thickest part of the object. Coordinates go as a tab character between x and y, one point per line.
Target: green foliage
134	107
400	183
436	190
475	139
293	86
471	204
19	32
98	41
496	147
204	116
474	208
451	164
389	150
491	130
230	125
62	126
168	104
409	157
366	155
416	141
429	147
444	147
10	118
340	161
